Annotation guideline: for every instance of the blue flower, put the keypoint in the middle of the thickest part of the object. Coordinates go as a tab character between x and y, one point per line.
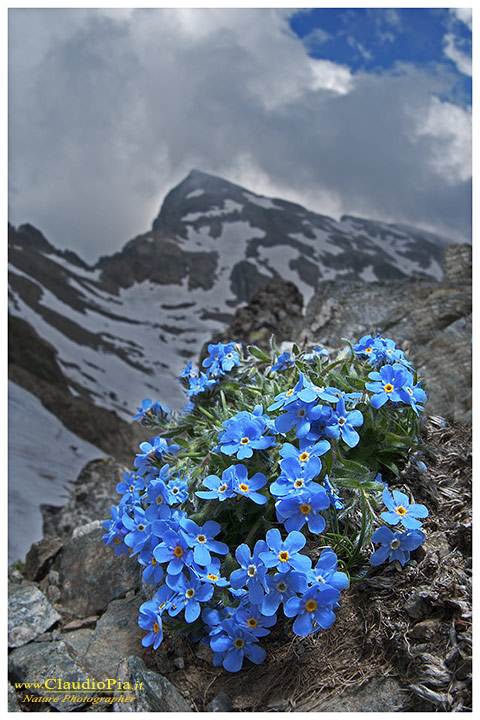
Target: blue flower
313	611
151	621
295	476
221	358
400	510
211	573
152	452
252	571
201	539
199	383
342	424
284	554
250	618
298	415
153	572
218	489
280	588
140	529
304	507
151	410
388	384
317	351
174	550
395	546
158	495
132	485
247	488
302	391
335	500
320	418
177	490
234	643
244	433
413	394
189	593
284	361
116	531
338	394
325	571
306	449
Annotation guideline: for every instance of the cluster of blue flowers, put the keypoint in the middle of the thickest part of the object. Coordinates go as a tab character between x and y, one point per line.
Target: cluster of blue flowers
294	442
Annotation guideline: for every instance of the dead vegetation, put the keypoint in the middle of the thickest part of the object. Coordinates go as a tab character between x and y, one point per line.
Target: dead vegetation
402	636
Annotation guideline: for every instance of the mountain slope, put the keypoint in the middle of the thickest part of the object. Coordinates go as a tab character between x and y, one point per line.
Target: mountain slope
91	342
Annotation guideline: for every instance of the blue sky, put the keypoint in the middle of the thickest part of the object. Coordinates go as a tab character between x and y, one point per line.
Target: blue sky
375	39
347	111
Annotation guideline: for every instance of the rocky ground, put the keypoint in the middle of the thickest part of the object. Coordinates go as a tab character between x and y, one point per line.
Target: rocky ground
402	639
401	642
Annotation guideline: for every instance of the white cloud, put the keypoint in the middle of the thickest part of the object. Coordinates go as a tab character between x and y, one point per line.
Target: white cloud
464	15
110	109
462	60
449	129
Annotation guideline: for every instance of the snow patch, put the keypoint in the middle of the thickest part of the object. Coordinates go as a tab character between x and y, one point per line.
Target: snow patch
44	458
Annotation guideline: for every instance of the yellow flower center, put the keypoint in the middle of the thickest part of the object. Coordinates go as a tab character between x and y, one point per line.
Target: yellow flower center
159	500
305	508
222	488
161	606
201	538
252	622
156	627
243	488
303	457
154	562
239	643
401	510
289	393
283	556
213	577
178	552
116	541
189	593
298	483
388	388
244	441
310	605
368	350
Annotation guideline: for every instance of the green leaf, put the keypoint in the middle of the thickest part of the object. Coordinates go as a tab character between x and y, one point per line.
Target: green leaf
257	353
348	482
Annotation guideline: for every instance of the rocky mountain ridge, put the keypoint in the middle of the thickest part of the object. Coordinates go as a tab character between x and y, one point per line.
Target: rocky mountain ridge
91	342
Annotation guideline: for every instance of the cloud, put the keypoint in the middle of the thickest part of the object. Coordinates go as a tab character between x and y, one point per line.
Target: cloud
464	15
110	109
462	60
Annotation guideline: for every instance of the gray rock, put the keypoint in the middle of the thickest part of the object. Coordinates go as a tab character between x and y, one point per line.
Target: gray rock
430	320
91	575
152	692
29	614
39	662
220	703
90	498
13	705
419	603
39	556
116	636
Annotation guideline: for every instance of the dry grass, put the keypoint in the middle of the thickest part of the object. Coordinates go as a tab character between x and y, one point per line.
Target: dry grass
411	624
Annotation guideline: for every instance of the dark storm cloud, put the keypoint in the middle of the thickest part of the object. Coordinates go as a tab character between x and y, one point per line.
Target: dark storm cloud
110	109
